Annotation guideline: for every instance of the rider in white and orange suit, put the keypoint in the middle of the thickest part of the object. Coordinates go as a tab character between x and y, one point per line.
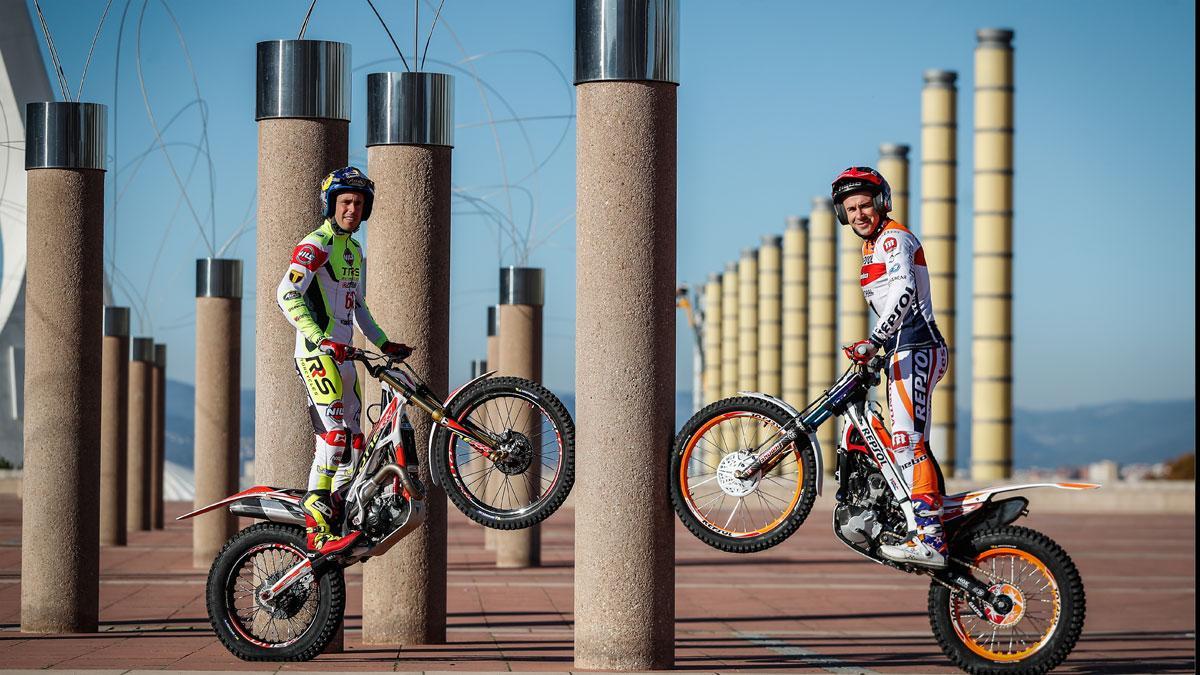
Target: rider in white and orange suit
895	282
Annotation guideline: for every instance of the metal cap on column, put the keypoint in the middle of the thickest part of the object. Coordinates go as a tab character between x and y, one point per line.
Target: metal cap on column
142	349
116	321
522	286
218	278
65	135
491	321
634	40
410	108
303	78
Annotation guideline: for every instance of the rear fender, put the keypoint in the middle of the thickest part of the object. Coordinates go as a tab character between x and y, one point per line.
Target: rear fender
261	502
962	504
446	405
812	436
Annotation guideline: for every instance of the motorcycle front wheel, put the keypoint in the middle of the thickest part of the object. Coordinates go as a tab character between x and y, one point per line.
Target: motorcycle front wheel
1048	604
732	514
534	470
296	626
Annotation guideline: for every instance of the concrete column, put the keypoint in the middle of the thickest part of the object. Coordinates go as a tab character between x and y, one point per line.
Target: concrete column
770	315
748	320
853	321
521	297
158	437
493	359
303	114
991	390
218	401
795	312
939	199
64	157
893	164
712	339
729	331
410	135
141	411
823	352
626	52
114	425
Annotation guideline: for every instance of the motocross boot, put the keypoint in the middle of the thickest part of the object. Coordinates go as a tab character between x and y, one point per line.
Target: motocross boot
928	547
319	519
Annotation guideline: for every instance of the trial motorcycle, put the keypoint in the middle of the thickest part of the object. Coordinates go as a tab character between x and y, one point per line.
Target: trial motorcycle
503	448
746	470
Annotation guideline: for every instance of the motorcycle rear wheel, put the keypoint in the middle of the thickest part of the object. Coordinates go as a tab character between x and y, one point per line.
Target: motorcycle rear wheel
1049	605
300	623
731	514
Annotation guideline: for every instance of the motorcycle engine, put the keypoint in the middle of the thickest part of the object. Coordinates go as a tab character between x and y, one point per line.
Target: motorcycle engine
858	517
384	514
858	524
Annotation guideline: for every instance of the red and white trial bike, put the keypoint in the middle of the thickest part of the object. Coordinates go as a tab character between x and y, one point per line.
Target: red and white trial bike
503	448
746	470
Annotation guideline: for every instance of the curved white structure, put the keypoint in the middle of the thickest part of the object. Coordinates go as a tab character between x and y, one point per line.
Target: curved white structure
23	79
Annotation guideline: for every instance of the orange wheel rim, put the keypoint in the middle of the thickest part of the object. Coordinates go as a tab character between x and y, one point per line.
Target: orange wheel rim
697	471
1037	607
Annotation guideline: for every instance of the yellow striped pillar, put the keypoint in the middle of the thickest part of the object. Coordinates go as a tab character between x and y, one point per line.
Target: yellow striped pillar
822	315
853	321
795	311
729	331
712	339
747	379
991	390
939	190
893	164
770	315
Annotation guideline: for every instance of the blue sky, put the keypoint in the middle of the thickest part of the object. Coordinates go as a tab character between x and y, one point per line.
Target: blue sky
775	98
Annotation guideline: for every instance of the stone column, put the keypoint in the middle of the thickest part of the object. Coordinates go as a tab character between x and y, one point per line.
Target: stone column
991	390
64	158
795	312
770	315
893	164
158	437
748	320
823	352
853	313
218	401
114	425
521	297
140	460
493	359
712	339
303	114
939	199
729	331
410	135
626	55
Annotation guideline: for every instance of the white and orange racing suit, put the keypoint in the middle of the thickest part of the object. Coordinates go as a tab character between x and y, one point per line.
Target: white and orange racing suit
895	282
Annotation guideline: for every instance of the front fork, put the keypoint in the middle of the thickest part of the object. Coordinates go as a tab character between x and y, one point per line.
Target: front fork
769	458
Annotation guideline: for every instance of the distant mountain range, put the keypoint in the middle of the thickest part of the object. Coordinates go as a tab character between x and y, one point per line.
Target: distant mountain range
1124	432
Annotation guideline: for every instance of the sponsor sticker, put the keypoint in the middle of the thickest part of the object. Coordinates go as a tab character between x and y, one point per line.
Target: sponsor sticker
291	295
337	412
295	277
899	438
307	256
889	244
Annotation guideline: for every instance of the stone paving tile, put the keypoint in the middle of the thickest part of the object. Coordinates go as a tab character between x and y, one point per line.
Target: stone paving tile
805	606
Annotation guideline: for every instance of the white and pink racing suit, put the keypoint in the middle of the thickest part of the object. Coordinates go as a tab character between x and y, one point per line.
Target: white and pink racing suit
895	282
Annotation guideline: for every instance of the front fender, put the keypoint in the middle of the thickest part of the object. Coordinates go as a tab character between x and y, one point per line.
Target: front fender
812	435
446	405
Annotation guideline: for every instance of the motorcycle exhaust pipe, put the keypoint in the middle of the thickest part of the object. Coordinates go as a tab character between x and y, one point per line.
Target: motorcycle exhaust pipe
392	469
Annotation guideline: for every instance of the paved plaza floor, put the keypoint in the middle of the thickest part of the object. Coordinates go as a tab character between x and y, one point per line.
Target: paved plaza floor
808	605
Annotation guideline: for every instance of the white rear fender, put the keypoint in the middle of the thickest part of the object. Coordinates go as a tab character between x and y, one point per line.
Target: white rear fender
261	502
812	436
957	505
446	405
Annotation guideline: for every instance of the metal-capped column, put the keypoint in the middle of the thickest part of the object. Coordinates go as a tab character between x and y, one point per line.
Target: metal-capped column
114	425
939	200
729	330
158	436
748	320
141	411
303	115
853	321
493	362
795	311
770	315
410	139
626	57
218	408
893	164
991	391
822	301
522	293
64	158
